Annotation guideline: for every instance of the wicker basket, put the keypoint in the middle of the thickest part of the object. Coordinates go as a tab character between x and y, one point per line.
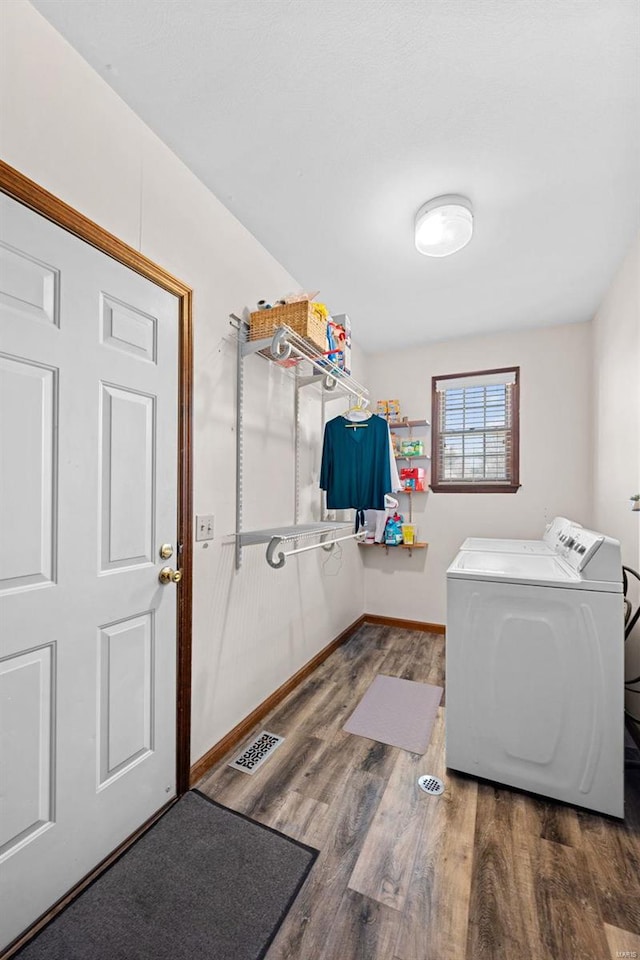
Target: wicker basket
299	316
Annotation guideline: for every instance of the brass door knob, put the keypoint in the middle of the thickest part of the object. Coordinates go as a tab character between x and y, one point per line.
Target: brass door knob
167	575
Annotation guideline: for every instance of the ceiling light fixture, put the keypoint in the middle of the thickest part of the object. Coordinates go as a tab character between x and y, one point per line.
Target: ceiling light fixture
444	225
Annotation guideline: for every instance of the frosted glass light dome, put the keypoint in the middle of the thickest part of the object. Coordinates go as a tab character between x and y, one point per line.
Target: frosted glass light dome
444	225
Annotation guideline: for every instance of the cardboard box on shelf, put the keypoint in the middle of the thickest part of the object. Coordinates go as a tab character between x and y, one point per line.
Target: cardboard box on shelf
393	410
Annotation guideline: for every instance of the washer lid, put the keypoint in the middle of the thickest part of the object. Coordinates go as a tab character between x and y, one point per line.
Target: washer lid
547	571
534	547
553	536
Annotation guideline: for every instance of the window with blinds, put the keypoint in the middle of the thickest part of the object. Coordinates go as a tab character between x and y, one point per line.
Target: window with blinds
475	432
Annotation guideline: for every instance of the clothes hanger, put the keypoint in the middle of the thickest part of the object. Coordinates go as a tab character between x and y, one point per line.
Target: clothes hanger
357	412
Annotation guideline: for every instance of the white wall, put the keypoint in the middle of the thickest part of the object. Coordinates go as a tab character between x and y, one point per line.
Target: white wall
555	456
61	125
616	424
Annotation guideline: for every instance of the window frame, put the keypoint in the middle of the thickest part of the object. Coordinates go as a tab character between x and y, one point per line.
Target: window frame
513	485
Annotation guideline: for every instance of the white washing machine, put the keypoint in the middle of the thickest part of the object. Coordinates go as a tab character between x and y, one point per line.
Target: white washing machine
551	540
534	670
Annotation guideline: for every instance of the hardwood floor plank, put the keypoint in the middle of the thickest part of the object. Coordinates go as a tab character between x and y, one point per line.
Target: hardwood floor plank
339	760
436	911
503	915
301	818
428	659
330	725
350	676
383	869
550	821
612	848
358	657
301	707
569	920
560	824
363	930
403	658
305	930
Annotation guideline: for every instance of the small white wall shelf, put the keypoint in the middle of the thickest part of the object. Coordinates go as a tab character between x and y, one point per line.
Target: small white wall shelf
399	546
395	424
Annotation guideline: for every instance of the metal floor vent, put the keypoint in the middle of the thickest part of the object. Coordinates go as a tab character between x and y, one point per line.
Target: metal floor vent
255	753
431	785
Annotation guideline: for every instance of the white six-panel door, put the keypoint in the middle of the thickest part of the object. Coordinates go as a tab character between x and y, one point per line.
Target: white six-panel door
88	494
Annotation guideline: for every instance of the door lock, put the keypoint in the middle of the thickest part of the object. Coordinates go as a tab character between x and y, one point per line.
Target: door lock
166	551
167	575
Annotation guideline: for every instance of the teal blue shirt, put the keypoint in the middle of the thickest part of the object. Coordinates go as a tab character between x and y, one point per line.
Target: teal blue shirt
356	469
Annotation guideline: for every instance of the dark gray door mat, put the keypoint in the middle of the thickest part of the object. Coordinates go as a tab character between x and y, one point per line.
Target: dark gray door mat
204	883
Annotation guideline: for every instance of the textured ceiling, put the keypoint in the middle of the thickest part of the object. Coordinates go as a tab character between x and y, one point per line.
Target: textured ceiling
325	125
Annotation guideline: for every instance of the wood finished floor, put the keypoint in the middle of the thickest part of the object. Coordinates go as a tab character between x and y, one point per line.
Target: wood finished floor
479	873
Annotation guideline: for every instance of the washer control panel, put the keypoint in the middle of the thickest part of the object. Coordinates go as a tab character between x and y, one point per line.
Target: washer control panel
578	545
592	554
556	529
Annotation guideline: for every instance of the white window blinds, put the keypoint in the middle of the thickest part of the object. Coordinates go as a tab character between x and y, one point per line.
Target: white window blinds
476	436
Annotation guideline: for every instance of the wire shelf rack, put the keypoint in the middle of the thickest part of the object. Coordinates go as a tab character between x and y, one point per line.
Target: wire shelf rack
310	368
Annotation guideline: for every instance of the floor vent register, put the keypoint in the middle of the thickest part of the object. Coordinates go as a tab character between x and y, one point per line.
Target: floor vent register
257	752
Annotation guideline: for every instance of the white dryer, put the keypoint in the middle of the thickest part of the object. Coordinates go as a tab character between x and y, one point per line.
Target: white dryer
551	540
534	670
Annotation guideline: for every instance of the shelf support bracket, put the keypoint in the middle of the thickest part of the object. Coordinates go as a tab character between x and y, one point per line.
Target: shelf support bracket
242	340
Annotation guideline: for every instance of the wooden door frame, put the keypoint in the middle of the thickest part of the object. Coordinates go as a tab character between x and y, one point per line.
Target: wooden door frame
14	184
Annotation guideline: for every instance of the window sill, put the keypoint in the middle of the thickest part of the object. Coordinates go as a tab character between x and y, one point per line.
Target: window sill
474	487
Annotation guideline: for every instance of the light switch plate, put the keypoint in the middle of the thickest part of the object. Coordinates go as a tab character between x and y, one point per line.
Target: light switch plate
204	527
